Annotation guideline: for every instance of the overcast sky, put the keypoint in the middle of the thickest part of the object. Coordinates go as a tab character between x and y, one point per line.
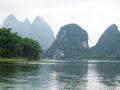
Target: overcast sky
92	15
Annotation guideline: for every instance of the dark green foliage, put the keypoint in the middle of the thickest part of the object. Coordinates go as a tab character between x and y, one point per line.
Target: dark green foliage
12	45
9	43
30	48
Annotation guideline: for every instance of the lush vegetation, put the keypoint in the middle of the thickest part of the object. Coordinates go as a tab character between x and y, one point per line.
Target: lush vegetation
12	45
69	41
68	45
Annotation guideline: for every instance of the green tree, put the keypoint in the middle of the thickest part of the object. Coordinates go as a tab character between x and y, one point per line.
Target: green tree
31	49
12	45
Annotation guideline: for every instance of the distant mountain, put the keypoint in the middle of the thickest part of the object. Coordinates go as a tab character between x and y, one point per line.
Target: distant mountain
39	30
11	22
45	35
71	43
109	41
108	45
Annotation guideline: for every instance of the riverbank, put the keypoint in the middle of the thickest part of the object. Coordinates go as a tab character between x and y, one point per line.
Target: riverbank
22	60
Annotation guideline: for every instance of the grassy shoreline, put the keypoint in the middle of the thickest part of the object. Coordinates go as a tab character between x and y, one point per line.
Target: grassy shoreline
22	60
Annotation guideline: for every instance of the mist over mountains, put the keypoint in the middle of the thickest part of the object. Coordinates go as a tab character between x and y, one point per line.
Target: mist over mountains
71	41
38	30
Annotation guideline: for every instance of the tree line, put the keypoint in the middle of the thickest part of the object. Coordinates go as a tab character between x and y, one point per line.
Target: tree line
13	45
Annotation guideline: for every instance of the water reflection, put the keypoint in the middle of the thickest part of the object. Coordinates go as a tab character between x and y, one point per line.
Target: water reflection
79	75
93	78
13	76
110	73
70	76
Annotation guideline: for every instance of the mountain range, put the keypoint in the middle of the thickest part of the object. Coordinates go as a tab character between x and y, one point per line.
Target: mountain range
38	30
72	43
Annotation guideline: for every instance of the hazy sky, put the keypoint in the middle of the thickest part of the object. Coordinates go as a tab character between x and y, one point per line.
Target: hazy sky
92	15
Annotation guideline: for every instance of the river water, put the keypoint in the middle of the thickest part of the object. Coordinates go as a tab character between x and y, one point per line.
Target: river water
69	75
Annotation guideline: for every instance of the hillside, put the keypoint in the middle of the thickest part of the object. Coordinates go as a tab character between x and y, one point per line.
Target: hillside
71	43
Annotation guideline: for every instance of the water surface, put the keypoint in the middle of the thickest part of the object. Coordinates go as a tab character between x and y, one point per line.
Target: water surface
71	75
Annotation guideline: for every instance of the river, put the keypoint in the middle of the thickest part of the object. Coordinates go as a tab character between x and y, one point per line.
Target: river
69	75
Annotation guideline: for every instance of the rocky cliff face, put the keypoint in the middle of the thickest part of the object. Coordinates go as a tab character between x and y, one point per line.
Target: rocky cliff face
39	30
71	42
109	41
